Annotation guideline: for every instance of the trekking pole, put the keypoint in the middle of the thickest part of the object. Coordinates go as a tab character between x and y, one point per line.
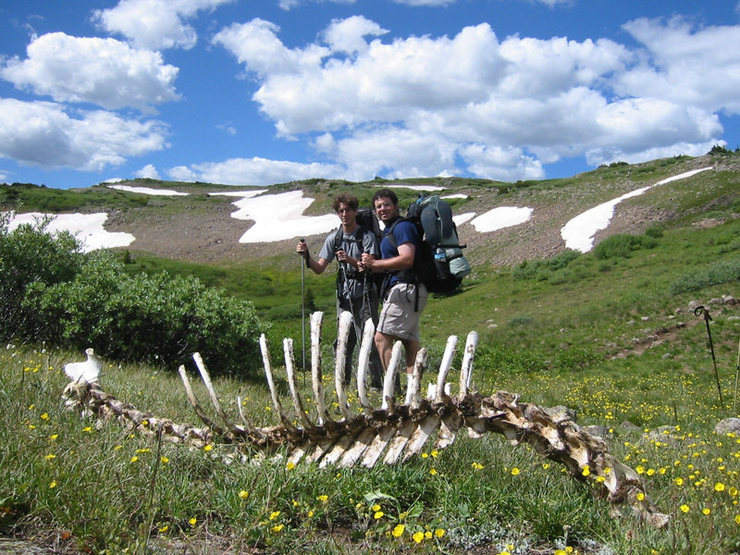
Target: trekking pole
304	263
737	371
700	310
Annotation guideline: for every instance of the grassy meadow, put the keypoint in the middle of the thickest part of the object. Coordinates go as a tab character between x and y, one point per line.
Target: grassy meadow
611	334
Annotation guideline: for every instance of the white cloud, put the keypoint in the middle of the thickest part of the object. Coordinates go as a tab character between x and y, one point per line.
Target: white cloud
425	105
290	4
396	153
253	171
698	68
43	134
148	172
501	163
347	35
256	45
155	24
105	72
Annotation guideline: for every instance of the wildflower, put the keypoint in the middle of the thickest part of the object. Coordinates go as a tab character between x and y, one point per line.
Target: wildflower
679	481
515	471
53	484
418	537
706	511
50	457
719	486
640	496
146	450
277	528
546	465
640	469
477	466
439	532
323	498
310	514
398	530
134	459
164	459
117	447
435	453
192	521
433	472
378	515
45	416
52	437
428	535
375	508
586	471
243	494
163	529
208	447
274	515
684	508
290	465
425	455
87	429
737	519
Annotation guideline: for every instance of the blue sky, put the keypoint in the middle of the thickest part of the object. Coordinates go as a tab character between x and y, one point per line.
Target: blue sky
256	92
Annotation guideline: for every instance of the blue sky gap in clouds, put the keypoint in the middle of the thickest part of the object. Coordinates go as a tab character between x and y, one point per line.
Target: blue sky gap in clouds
246	92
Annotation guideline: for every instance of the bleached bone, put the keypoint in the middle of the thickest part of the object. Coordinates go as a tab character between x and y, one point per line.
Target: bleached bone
395	432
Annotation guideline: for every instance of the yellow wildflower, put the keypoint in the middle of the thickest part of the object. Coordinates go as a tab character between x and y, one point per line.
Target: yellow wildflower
439	532
398	530
243	494
418	537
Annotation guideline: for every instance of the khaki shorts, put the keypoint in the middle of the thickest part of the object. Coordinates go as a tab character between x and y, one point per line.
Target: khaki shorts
398	318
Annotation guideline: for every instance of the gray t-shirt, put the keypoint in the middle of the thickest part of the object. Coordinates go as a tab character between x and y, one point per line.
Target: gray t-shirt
352	287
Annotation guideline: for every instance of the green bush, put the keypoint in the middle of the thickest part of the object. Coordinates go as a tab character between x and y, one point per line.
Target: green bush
541	270
157	319
722	271
622	245
31	256
52	292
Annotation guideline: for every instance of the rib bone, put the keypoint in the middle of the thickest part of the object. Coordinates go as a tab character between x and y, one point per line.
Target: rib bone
395	432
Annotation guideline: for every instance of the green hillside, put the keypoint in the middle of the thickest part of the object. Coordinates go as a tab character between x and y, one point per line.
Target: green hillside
611	334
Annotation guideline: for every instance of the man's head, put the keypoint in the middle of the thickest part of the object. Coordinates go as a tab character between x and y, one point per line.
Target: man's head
346	208
350	201
385	204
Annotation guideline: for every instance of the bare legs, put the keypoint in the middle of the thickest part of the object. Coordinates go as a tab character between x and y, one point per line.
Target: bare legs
384	344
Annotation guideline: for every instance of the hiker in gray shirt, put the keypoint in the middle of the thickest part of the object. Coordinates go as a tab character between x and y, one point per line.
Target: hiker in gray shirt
356	290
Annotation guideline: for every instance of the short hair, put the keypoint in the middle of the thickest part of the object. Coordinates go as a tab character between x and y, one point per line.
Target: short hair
345	198
387	193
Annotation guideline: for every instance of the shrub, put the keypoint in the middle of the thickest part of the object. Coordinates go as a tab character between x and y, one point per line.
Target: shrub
29	255
722	271
50	291
622	245
158	319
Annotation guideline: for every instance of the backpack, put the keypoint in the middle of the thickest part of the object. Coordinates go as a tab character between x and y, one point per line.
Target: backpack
366	220
439	264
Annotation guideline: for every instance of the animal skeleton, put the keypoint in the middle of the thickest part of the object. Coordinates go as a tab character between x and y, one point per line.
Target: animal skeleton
393	433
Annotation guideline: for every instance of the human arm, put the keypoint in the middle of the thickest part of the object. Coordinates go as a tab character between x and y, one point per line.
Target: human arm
317	265
403	261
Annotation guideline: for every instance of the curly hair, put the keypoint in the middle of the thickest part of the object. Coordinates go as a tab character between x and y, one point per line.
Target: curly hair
347	199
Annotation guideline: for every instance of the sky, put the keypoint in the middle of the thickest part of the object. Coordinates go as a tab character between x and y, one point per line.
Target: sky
257	92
